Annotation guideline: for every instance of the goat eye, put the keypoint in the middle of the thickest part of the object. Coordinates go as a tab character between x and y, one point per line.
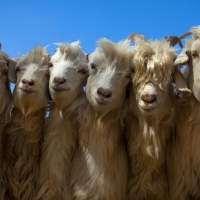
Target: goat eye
17	69
82	71
195	55
50	65
5	72
93	66
132	70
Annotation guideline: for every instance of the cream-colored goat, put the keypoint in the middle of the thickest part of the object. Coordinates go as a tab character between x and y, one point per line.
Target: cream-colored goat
149	117
24	133
185	149
68	72
99	169
5	106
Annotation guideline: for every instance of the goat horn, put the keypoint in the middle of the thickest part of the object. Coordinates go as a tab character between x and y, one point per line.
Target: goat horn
185	35
173	40
0	46
135	36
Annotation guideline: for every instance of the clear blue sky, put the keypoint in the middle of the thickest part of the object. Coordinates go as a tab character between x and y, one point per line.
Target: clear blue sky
27	23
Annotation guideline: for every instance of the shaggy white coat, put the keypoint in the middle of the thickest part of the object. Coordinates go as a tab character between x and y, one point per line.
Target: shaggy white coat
100	168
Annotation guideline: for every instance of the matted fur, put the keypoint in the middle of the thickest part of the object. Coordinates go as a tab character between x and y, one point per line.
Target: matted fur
24	133
61	133
148	131
99	169
184	160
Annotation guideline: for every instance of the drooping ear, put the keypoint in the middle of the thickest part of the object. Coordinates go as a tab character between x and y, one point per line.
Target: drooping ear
182	58
181	84
136	38
11	73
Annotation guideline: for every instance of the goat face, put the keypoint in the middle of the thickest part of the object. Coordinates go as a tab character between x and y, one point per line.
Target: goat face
106	85
31	91
68	75
152	84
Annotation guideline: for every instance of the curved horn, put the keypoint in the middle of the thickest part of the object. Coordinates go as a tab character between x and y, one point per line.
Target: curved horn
173	40
185	35
136	37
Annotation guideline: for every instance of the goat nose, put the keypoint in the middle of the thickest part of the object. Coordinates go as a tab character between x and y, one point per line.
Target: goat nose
148	98
59	80
104	92
28	81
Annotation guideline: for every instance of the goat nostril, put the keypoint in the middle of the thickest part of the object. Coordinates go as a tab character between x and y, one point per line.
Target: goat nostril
149	98
59	80
30	82
104	92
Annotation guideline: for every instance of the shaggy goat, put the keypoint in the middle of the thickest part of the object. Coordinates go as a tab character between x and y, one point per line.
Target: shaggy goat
68	72
24	133
5	102
185	150
99	169
149	116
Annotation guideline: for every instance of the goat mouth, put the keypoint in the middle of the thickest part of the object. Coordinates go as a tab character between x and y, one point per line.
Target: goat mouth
59	89
27	90
101	101
148	106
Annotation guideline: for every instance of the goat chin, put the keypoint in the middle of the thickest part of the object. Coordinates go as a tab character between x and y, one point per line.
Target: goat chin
94	173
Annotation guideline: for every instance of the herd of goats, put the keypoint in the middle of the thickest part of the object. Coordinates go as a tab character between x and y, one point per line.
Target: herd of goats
133	134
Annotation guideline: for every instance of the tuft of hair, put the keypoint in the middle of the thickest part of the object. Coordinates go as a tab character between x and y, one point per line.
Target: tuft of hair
114	52
71	51
154	56
195	32
38	56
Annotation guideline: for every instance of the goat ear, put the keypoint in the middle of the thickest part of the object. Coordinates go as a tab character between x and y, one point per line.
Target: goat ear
182	59
181	84
11	73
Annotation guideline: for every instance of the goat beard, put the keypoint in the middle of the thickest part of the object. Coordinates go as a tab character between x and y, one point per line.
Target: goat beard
29	103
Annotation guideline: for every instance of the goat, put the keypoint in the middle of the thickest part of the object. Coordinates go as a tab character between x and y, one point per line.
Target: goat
149	116
24	133
184	157
68	72
99	169
5	102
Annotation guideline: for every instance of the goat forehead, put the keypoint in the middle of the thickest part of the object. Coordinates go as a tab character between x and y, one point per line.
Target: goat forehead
33	69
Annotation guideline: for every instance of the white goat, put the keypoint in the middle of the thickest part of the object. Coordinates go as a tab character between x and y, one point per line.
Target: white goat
99	169
24	133
5	104
68	72
185	149
149	116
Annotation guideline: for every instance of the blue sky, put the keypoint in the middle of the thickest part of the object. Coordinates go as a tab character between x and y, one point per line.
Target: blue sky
25	24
